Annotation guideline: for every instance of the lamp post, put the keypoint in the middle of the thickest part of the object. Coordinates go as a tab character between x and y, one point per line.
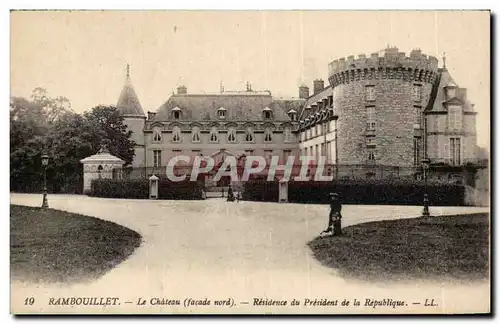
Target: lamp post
425	166
45	162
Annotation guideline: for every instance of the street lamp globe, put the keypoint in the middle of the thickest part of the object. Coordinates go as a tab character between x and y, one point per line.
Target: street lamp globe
45	159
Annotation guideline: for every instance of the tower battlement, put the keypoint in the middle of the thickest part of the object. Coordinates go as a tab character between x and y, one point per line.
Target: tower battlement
390	63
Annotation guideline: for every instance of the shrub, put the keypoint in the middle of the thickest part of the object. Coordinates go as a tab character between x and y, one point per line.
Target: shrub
360	191
139	189
260	190
111	188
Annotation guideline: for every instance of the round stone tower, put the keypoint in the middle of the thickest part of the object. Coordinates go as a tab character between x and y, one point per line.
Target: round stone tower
380	102
133	116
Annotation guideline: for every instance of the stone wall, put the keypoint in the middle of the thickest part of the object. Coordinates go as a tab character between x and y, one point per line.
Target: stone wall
395	117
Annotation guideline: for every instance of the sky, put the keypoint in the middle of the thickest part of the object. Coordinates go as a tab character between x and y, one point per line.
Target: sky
82	55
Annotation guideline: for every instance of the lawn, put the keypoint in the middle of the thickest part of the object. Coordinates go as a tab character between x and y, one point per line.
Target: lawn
433	248
49	245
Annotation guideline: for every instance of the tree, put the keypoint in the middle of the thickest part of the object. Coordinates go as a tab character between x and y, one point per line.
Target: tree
45	124
111	131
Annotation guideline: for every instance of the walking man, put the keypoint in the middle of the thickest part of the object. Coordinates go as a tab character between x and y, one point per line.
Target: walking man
335	216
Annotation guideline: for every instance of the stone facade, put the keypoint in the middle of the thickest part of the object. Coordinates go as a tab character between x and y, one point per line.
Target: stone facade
388	109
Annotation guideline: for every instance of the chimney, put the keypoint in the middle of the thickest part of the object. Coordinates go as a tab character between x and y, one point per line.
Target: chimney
318	85
303	92
151	115
181	90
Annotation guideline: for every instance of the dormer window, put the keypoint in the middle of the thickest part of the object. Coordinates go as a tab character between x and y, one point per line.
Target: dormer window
451	92
156	135
221	113
293	114
176	113
268	113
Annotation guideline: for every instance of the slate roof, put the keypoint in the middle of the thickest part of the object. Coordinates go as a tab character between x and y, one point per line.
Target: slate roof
244	106
128	102
312	100
438	98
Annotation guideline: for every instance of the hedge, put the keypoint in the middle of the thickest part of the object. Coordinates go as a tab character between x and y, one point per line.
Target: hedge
139	189
388	192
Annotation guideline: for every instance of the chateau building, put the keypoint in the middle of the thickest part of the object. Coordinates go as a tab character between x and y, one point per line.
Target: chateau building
388	109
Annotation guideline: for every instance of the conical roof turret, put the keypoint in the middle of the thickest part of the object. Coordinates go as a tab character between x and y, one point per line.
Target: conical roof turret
128	102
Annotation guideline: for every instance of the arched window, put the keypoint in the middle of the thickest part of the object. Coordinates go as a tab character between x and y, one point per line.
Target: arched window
195	134
156	135
176	134
249	134
214	135
268	135
231	135
288	134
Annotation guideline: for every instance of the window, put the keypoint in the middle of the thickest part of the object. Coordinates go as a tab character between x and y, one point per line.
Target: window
370	118
451	92
418	117
417	93
231	135
249	134
293	115
455	118
156	135
221	113
288	134
456	158
370	93
248	152
177	152
370	141
371	154
195	134
286	154
268	113
268	135
157	158
176	134
267	155
214	135
176	113
416	152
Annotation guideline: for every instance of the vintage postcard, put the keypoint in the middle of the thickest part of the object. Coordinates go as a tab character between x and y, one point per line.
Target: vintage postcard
250	162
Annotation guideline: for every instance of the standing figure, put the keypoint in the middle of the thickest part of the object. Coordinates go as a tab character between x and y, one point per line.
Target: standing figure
335	216
230	195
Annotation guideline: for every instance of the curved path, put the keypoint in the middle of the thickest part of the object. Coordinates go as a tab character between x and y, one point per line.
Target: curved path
243	250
